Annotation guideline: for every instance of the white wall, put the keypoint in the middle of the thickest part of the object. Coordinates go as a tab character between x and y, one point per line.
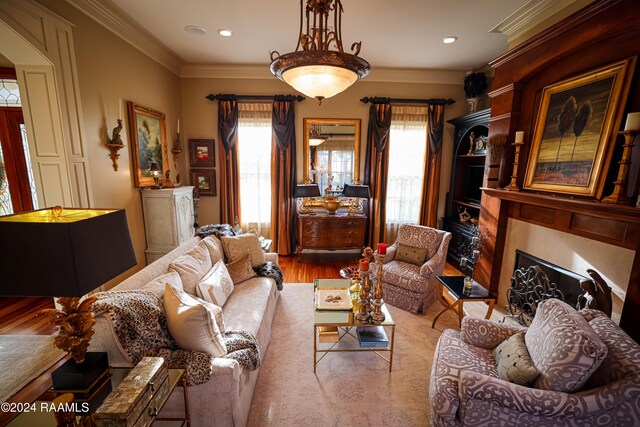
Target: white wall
569	251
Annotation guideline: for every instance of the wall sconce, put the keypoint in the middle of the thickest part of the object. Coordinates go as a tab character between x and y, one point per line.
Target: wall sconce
176	150
115	144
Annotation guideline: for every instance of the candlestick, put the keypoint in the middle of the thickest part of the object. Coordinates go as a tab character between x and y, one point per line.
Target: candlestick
363	303
513	185
377	315
382	248
619	194
633	121
519	136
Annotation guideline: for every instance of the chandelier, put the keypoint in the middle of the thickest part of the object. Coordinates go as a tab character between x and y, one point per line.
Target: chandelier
315	136
314	68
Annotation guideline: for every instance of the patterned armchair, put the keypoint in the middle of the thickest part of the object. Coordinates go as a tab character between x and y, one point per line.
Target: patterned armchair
409	286
583	353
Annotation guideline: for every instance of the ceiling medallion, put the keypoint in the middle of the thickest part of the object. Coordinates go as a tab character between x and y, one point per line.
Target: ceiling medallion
314	68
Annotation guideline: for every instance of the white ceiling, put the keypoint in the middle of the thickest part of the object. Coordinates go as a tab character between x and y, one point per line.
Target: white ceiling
394	34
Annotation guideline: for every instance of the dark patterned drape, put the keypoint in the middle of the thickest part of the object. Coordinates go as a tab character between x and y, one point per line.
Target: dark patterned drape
431	184
283	177
376	168
229	174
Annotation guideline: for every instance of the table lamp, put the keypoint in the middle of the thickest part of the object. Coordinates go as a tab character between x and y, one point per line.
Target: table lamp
66	253
358	192
305	191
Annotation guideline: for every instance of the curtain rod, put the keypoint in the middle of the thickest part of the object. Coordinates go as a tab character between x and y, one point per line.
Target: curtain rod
224	97
430	101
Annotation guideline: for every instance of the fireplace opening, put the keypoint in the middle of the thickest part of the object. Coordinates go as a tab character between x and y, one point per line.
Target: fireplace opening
534	280
566	281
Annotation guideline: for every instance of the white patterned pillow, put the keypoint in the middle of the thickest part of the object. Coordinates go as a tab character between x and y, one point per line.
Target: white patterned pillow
192	324
563	347
238	246
513	362
216	286
191	267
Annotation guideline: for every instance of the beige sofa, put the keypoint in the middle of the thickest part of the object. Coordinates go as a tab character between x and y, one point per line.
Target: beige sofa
225	399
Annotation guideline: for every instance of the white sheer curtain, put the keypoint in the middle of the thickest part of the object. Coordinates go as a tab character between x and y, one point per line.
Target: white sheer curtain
407	150
254	164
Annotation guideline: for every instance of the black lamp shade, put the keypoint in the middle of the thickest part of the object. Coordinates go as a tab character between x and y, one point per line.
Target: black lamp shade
361	191
69	257
307	190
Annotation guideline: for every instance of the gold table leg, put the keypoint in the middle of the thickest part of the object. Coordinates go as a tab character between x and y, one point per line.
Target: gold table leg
393	335
492	302
315	348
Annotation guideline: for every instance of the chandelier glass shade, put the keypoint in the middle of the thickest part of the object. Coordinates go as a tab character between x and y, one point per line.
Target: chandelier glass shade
319	67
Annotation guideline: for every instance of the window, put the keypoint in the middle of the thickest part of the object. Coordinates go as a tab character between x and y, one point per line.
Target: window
407	150
254	164
335	161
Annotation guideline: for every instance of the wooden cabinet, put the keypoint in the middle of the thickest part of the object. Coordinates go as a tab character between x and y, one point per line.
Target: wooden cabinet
467	172
324	231
168	219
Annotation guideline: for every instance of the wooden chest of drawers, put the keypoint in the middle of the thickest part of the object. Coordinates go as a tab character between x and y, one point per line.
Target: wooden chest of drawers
324	231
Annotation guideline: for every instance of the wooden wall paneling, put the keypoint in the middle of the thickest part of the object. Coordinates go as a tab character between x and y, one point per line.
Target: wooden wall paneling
630	319
493	226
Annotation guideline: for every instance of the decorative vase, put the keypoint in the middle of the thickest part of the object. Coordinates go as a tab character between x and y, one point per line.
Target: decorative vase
472	103
331	204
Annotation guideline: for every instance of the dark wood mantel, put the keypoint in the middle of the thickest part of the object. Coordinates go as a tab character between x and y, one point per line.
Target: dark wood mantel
603	32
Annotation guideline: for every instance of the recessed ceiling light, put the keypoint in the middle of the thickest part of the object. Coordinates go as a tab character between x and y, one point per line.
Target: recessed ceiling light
449	39
194	29
225	33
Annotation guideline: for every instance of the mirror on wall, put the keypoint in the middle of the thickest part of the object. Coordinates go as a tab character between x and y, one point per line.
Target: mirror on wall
332	153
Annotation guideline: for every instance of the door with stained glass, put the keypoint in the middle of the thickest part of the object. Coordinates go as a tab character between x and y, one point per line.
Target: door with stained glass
17	185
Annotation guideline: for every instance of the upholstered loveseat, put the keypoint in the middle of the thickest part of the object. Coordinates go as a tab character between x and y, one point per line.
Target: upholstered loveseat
410	283
224	400
584	353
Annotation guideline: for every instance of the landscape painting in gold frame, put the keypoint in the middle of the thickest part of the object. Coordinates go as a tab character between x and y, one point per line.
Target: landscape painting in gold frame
148	143
576	130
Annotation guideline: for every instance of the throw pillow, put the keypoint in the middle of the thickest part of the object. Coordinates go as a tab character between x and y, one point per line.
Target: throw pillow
241	270
214	246
246	244
216	286
563	347
513	362
157	285
192	324
411	254
217	312
191	267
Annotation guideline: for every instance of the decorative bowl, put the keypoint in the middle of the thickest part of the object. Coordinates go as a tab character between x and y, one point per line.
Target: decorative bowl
351	273
331	203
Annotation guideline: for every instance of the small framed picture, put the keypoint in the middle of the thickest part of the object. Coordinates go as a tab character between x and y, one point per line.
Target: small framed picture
201	153
204	180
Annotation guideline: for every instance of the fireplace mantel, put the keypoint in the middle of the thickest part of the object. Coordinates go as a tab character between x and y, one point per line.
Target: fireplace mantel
623	213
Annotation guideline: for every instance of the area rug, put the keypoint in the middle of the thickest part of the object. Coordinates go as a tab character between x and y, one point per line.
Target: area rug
23	358
350	389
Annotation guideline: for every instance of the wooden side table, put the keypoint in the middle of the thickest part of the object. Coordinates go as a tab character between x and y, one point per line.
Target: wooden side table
451	296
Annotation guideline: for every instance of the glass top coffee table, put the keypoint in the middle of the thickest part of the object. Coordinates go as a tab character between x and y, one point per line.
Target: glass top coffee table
345	338
451	296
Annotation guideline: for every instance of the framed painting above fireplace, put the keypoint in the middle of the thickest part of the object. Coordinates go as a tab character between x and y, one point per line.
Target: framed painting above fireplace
576	129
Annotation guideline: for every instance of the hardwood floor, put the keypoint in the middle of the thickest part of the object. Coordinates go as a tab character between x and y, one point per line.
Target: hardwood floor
18	315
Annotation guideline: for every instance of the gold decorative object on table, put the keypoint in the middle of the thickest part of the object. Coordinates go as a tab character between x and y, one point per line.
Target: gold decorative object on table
331	204
619	194
513	185
364	303
115	144
377	315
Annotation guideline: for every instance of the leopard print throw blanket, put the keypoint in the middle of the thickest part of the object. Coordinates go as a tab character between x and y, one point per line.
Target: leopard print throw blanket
225	230
140	324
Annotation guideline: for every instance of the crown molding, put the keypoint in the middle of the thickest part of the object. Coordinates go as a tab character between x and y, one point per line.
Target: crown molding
392	75
531	14
111	17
